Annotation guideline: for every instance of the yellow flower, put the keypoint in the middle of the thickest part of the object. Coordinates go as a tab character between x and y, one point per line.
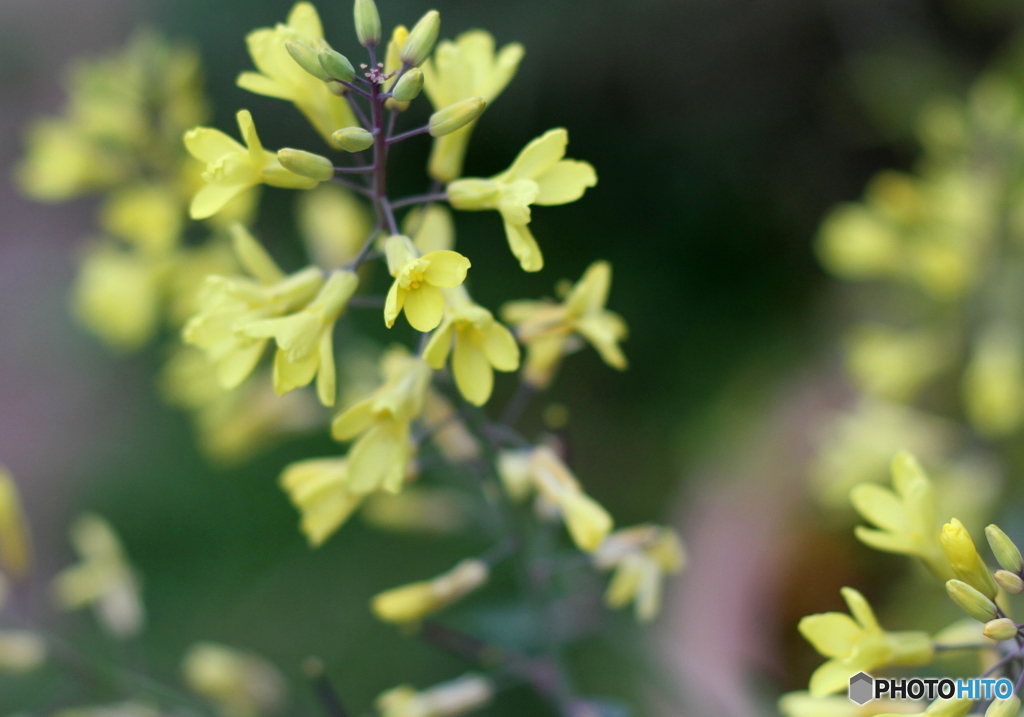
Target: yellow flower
380	457
468	693
481	345
232	168
431	228
117	296
240	684
63	162
334	224
305	340
319	489
21	651
418	282
281	77
641	557
539	175
905	516
229	304
435	511
149	216
15	542
993	382
540	470
103	578
447	430
894	364
549	330
411	603
458	71
858	644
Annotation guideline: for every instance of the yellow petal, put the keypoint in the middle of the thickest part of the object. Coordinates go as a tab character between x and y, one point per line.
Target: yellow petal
539	155
500	347
236	366
424	307
353	420
250	137
393	304
524	247
603	336
879	506
304	19
211	199
473	373
565	182
515	200
833	634
326	377
861	610
436	351
588	522
377	455
209	145
289	374
831	677
447	268
15	548
591	292
262	85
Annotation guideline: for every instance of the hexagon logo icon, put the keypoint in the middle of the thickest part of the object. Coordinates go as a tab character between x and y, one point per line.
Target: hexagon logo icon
861	688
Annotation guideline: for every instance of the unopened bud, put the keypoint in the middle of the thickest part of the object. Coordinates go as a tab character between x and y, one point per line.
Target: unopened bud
409	86
971	601
1000	629
1004	549
367	22
470	194
421	39
306	164
456	116
411	603
1004	708
1010	582
336	65
964	558
307	59
353	139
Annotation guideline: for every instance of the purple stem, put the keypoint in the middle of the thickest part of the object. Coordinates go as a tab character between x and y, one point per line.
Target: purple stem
419	199
411	133
357	110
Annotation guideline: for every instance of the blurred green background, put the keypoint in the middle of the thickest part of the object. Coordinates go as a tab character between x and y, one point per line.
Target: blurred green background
721	132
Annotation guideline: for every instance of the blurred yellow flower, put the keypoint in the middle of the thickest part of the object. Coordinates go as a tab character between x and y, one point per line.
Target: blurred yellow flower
549	330
858	644
281	77
103	579
380	456
481	345
641	557
894	364
459	70
333	223
539	175
993	382
240	684
148	216
15	541
318	487
456	697
232	168
411	603
418	282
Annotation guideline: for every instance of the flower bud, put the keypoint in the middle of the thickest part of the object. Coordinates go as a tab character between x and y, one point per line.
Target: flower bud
336	65
15	547
1010	582
307	59
411	603
1004	549
421	39
971	601
353	139
964	558
1000	629
457	697
456	116
588	522
367	22
409	86
306	164
1004	708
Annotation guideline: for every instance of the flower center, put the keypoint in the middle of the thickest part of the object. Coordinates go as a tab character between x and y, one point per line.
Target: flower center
412	276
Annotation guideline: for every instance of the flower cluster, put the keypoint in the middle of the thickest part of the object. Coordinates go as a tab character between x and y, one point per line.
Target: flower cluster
267	349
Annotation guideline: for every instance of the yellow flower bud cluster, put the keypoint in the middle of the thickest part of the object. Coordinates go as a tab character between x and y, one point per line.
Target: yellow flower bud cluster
640	557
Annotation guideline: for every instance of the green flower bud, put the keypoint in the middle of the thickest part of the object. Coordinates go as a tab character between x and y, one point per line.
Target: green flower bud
1003	548
307	58
964	559
1000	629
1010	582
306	164
409	86
1004	708
367	22
971	601
353	139
336	65
421	39
456	116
